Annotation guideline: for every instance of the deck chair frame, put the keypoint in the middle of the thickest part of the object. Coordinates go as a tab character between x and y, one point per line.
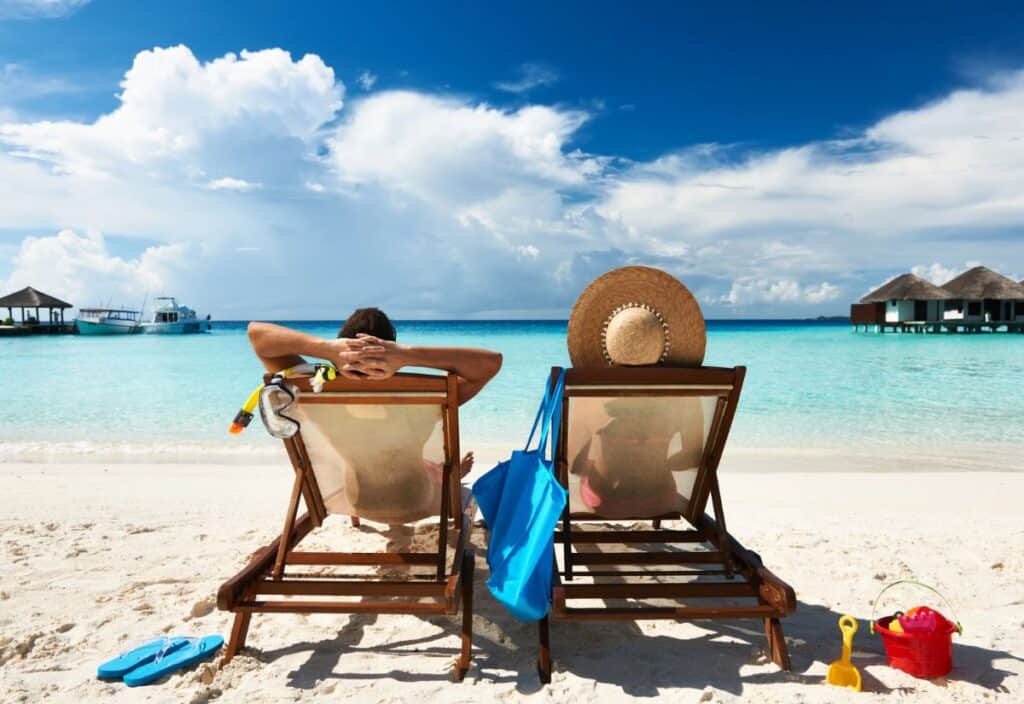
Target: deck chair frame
271	570
745	577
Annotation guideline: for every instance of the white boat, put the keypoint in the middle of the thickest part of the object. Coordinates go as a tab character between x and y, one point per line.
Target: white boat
108	321
169	318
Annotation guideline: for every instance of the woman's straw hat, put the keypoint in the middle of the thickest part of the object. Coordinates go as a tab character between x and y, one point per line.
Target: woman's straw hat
636	316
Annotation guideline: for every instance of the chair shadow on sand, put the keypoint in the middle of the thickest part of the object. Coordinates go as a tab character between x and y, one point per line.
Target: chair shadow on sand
505	651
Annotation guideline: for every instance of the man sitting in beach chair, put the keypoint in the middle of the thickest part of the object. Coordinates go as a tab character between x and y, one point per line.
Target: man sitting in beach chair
378	444
366	348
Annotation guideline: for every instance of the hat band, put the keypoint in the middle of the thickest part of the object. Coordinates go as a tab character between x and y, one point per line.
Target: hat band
627	306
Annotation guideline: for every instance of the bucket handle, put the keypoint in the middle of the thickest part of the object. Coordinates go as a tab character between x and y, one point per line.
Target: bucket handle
874	606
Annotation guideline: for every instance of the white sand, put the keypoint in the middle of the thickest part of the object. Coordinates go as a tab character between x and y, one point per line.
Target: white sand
96	555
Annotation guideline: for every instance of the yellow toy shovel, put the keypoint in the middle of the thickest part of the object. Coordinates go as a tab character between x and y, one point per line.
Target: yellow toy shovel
841	672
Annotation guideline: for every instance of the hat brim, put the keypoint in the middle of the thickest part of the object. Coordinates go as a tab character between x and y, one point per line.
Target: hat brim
637	285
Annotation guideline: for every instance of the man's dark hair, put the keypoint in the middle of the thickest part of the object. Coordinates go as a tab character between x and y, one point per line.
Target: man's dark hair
372	321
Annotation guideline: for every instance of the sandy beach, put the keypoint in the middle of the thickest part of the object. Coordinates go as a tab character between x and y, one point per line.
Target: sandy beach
98	555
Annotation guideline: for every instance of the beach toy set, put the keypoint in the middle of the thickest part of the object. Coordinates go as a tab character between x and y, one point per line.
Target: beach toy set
918	641
156	658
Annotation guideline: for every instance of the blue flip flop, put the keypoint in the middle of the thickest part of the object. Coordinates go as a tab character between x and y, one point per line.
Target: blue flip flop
130	659
197	649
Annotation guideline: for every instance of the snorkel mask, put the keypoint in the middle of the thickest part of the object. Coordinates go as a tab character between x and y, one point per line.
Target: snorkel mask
276	396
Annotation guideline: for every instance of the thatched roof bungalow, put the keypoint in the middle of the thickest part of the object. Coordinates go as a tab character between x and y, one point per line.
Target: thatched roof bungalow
905	298
976	299
980	294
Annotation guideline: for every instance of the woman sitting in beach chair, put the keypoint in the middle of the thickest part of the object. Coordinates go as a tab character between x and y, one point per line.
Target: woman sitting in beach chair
635	453
366	348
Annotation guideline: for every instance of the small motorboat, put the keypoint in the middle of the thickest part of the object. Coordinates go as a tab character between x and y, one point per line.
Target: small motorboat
170	318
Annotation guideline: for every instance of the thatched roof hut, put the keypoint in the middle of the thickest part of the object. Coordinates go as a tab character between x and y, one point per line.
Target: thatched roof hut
907	287
983	283
28	297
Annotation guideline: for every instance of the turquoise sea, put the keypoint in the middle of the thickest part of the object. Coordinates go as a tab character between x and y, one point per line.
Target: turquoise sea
809	385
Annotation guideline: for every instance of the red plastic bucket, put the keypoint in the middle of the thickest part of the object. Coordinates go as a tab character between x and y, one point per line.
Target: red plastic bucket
925	655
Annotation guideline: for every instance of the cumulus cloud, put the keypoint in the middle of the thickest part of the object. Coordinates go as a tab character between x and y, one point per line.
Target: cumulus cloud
779	291
30	9
531	75
177	115
938	273
367	80
79	268
474	162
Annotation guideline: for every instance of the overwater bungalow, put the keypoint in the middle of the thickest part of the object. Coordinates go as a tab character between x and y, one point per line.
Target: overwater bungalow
906	299
979	300
25	302
983	295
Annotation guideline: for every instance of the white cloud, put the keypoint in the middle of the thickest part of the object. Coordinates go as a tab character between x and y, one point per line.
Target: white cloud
81	270
176	114
366	80
28	9
531	75
19	83
750	291
952	163
456	155
939	274
228	183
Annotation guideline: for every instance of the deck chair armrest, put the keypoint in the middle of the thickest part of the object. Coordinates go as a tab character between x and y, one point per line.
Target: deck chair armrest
771	588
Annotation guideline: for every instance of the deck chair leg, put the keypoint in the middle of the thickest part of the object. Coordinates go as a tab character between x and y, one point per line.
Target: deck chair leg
468	569
723	534
289	526
544	650
777	644
355	521
239	630
656	523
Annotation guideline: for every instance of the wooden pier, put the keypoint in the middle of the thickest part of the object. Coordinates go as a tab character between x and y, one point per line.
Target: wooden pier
37	329
946	326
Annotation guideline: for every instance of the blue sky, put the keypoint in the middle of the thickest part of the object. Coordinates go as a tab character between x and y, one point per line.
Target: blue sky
474	160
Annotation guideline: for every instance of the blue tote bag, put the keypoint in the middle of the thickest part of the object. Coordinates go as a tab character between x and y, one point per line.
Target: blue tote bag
522	501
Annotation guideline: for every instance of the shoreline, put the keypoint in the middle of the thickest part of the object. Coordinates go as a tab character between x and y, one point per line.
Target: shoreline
878	458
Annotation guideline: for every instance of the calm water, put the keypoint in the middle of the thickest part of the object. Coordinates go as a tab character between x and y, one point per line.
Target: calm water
809	384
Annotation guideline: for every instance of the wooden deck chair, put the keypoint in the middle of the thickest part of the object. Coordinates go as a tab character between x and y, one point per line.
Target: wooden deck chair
347	460
643	444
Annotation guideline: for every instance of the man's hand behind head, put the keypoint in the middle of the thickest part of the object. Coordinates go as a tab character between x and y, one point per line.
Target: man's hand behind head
352	357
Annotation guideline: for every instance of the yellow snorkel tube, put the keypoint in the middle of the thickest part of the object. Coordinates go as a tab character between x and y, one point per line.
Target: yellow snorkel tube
244	415
321	374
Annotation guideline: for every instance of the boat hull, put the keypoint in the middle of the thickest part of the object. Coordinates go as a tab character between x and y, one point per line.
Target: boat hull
88	327
184	327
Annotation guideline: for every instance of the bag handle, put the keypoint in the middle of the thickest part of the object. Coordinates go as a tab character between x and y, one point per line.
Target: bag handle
874	606
553	416
548	389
